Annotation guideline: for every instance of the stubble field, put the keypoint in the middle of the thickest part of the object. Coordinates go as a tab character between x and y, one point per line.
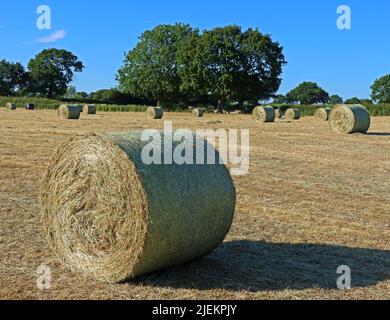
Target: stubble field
311	202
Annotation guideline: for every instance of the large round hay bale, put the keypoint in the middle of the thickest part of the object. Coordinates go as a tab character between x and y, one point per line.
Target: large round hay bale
29	106
153	113
278	114
69	112
264	114
10	106
89	109
112	217
198	112
349	119
293	114
322	114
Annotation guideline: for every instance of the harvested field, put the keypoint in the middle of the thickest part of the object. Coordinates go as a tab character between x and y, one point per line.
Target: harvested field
292	229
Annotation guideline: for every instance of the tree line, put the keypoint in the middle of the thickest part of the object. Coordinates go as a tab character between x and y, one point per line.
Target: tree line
180	65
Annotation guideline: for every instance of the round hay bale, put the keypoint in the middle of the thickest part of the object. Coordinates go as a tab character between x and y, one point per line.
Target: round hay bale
322	114
153	113
264	114
293	114
29	106
111	217
10	106
349	119
278	114
197	112
69	112
89	109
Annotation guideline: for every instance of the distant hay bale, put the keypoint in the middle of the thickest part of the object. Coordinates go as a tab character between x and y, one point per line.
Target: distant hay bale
197	112
10	106
322	114
69	112
153	113
89	109
349	119
110	216
29	106
278	114
293	114
264	114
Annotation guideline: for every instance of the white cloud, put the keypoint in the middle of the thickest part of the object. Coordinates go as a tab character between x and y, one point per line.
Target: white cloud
54	37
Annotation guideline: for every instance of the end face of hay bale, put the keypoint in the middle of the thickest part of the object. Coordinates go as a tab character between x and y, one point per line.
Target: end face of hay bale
10	106
89	109
293	114
264	114
154	113
69	112
29	106
322	114
198	112
348	119
278	114
145	217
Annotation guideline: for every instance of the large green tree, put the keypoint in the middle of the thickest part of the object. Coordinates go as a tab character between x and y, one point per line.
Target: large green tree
380	90
51	71
13	77
308	93
354	100
230	64
150	70
335	99
280	99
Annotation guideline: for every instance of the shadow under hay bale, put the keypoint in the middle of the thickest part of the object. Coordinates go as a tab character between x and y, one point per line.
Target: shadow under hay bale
293	114
145	217
348	119
10	106
259	266
153	113
69	112
263	114
89	109
322	114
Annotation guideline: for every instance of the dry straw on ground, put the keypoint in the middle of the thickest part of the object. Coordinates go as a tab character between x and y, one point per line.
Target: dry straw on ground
153	113
293	114
349	119
278	114
197	112
89	109
10	106
69	112
111	217
322	114
264	114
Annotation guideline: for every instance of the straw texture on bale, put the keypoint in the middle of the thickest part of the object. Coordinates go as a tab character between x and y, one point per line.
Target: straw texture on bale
264	114
322	114
10	106
111	217
197	112
278	114
293	114
154	113
89	109
349	119
29	106
69	112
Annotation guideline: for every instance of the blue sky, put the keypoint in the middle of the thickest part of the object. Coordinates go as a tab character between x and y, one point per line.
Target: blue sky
99	32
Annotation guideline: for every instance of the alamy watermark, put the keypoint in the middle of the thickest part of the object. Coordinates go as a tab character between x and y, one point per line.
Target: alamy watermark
44	19
183	147
344	20
44	277
344	282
